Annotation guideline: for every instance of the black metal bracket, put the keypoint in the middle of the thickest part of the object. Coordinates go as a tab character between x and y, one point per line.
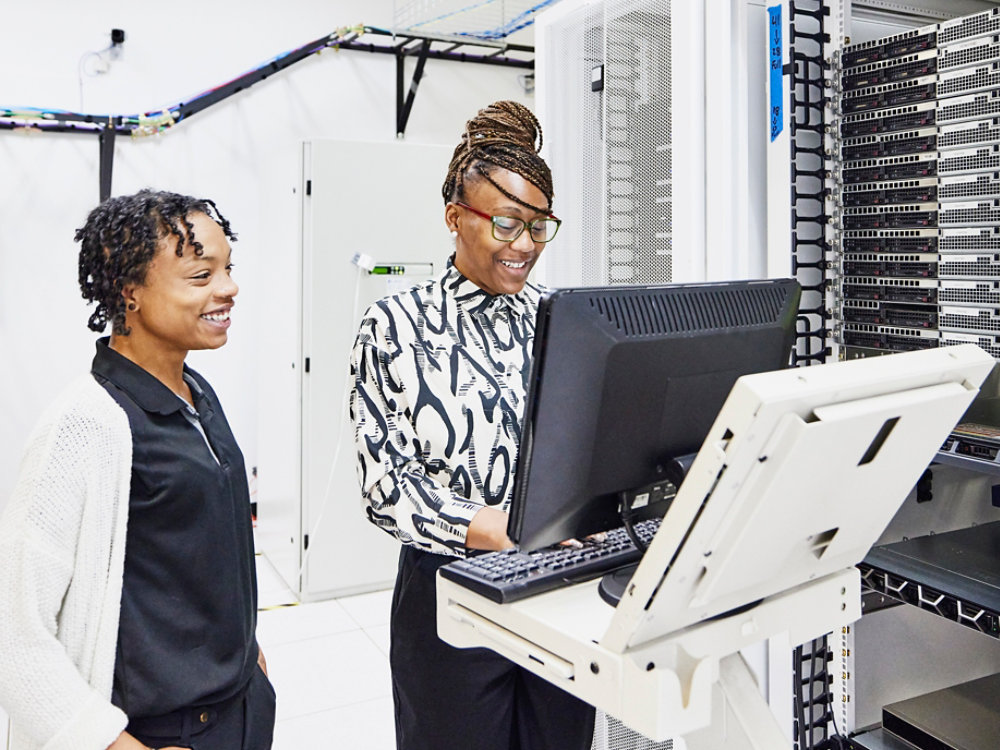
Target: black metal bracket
106	142
424	48
403	108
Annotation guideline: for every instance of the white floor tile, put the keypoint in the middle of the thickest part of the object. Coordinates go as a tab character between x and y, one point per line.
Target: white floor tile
360	726
271	589
370	609
329	672
297	623
380	637
329	665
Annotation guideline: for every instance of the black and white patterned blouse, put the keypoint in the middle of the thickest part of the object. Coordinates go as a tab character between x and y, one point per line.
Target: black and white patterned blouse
440	373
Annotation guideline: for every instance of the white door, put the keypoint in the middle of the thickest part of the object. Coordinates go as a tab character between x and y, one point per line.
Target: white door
382	200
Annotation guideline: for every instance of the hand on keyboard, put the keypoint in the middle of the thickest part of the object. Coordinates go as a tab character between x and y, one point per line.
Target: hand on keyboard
511	575
597	538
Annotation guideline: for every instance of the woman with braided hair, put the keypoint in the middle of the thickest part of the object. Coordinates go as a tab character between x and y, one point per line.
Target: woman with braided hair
127	580
440	375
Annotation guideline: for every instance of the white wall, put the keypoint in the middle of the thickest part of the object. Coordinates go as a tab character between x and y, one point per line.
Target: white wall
244	153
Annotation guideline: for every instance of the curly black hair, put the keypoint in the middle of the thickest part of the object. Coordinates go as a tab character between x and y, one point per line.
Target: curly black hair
501	135
119	240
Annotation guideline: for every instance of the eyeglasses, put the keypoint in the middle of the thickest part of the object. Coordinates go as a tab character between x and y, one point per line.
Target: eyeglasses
509	228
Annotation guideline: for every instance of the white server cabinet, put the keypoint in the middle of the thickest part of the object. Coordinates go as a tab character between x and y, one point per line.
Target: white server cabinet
620	83
649	119
382	200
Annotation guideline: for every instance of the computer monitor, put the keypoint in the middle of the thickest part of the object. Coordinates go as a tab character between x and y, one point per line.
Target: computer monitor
623	381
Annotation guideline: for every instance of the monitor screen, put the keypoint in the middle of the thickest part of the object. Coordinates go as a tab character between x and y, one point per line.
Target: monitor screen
623	381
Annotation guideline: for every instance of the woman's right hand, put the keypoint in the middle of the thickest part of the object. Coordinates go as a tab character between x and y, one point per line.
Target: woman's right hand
126	741
488	530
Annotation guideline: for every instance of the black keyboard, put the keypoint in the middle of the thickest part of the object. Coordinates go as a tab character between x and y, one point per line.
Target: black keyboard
510	575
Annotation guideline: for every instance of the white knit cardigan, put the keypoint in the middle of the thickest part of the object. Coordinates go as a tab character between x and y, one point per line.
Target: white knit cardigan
62	552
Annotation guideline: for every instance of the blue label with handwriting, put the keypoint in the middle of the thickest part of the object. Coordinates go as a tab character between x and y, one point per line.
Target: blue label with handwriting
777	114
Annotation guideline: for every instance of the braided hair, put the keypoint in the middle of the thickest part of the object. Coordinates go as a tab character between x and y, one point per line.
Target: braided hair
500	136
119	240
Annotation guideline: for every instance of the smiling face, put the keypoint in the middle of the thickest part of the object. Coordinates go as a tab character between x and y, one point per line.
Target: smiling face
184	302
495	267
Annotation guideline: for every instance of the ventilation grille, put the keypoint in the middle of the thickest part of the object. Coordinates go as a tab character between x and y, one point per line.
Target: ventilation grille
959	56
644	314
969	27
970	292
611	734
637	246
980	159
970	187
977	131
976	240
989	344
969	107
980	78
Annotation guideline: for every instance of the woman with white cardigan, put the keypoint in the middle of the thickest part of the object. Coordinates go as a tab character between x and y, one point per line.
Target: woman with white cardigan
127	580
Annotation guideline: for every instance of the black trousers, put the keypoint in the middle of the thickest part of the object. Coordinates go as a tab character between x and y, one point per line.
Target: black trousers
243	723
463	699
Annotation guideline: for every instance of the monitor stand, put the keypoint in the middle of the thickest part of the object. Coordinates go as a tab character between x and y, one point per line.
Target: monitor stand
613	584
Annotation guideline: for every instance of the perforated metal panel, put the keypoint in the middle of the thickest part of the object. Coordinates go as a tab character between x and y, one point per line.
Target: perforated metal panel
976	239
611	734
638	126
607	78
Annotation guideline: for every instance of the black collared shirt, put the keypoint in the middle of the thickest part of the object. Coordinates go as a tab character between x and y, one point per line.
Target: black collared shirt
189	596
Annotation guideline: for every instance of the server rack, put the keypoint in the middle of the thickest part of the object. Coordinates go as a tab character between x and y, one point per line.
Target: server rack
915	252
912	261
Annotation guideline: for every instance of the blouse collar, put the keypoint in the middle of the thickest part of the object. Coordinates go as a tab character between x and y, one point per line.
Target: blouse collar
474	299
